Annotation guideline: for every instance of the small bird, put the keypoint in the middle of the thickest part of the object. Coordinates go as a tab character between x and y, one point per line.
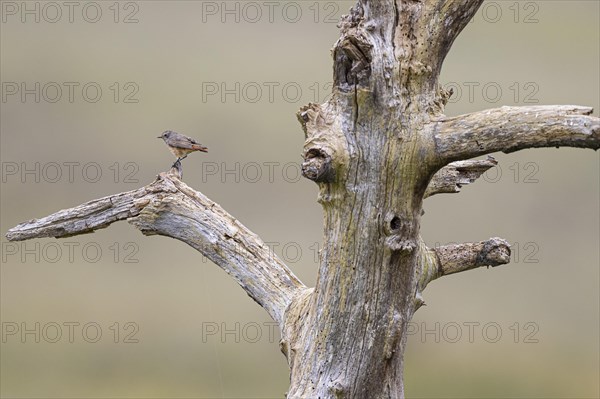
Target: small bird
181	145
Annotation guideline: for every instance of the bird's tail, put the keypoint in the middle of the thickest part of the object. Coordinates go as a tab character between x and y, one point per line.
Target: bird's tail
199	147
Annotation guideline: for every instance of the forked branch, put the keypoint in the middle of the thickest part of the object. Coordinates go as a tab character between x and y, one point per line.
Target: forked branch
171	208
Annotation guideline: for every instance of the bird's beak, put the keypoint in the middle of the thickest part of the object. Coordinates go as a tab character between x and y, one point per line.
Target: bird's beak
159	137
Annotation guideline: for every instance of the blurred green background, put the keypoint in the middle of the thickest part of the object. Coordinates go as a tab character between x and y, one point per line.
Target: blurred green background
233	74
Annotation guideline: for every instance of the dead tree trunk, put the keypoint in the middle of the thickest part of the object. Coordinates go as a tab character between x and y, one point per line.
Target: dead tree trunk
376	149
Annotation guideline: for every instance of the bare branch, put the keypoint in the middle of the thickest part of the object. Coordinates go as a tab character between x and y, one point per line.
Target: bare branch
449	259
440	261
171	208
454	16
460	257
452	177
451	17
510	129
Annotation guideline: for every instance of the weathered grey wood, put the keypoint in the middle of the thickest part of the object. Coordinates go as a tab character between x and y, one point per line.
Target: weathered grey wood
376	149
452	177
169	207
448	259
460	257
510	129
456	258
85	218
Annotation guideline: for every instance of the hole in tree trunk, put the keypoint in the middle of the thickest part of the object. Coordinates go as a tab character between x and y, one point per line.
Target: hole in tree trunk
395	223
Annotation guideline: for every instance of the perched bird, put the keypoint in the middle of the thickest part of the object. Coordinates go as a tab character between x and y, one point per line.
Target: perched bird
181	145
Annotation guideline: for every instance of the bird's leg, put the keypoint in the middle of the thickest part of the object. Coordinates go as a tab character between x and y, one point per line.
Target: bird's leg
179	159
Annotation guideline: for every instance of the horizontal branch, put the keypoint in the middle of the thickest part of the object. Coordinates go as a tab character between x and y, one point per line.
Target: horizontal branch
93	215
460	257
449	259
452	177
171	208
510	129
